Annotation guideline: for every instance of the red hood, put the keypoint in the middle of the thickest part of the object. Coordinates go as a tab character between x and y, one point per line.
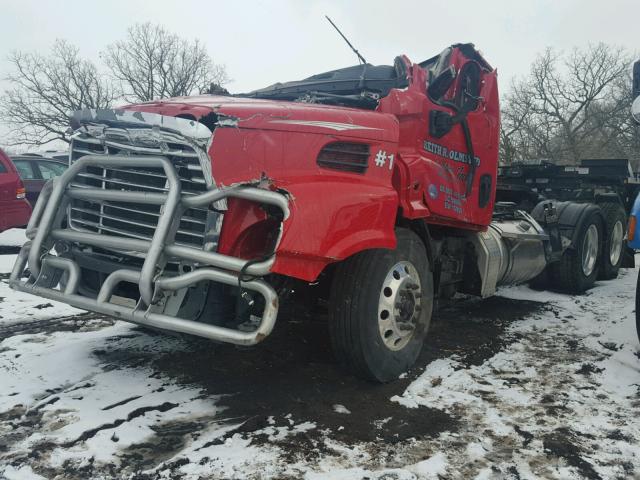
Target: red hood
278	115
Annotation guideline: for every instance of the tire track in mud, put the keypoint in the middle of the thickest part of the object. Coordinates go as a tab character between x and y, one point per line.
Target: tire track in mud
138	412
9	250
69	323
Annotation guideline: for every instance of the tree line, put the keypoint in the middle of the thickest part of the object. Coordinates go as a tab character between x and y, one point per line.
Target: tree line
148	64
571	105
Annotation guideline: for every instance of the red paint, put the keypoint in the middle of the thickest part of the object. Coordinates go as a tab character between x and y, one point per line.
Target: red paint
15	212
247	231
335	214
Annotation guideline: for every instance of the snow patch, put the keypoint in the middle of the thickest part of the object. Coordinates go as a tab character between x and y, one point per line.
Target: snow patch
570	379
21	473
432	467
17	307
341	409
14	237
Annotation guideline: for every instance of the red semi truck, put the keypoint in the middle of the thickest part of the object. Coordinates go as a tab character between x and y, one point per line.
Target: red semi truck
197	214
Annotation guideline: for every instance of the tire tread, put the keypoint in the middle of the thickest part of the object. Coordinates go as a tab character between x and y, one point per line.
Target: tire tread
348	294
611	212
566	275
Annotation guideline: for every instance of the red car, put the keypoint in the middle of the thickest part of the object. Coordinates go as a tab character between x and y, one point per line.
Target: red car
14	207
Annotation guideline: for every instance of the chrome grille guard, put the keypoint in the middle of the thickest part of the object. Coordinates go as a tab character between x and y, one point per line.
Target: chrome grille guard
120	132
46	228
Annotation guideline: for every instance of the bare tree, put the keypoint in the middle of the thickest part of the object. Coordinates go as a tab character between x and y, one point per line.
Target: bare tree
569	107
46	89
153	63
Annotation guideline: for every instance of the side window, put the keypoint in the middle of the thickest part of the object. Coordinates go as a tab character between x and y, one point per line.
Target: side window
3	169
51	169
24	169
467	95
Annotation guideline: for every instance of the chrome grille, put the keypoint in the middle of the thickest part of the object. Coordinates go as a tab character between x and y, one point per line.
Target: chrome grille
139	220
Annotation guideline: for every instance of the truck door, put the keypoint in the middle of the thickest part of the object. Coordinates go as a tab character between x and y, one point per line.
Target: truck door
460	142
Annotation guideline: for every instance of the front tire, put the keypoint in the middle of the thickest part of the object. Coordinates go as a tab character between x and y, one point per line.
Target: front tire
381	303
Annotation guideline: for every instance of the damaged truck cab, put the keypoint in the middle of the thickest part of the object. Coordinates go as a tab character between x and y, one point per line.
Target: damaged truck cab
195	214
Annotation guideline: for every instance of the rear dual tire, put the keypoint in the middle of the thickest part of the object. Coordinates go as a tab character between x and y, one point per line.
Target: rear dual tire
381	304
578	268
615	227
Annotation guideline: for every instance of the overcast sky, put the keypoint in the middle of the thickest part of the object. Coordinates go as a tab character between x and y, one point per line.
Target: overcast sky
262	42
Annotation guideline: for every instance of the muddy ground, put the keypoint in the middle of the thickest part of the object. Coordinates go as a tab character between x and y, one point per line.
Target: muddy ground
294	375
288	410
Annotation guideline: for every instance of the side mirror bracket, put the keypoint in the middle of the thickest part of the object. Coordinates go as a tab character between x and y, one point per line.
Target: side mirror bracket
439	85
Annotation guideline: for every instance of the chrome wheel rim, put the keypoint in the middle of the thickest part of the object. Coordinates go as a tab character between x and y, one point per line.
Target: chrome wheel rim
590	250
615	249
399	305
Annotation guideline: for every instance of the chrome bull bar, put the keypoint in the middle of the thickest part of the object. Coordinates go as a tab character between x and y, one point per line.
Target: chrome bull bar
45	227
